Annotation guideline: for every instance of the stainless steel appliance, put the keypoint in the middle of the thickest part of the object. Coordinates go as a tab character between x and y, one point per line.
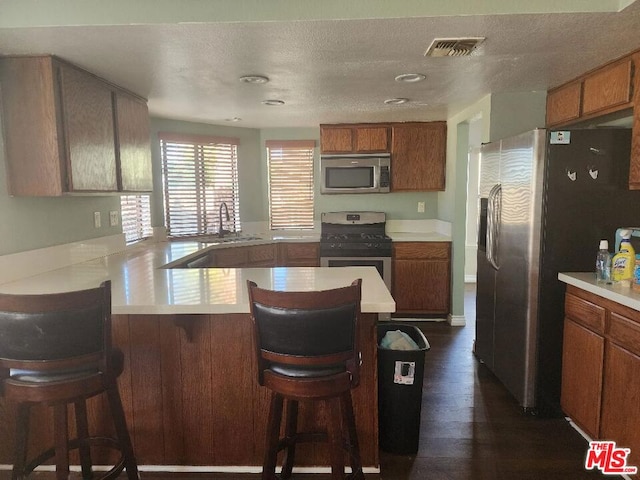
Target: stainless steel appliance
350	239
355	173
547	198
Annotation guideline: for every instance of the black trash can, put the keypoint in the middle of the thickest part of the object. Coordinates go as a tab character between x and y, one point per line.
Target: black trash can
400	374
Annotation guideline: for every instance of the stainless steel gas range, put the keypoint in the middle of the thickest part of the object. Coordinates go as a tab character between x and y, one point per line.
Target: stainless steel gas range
350	239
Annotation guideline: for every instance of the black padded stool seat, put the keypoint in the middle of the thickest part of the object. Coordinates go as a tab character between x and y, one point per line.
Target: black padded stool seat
307	349
55	349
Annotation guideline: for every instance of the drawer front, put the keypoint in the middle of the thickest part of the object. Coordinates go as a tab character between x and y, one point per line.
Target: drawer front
625	332
422	250
585	313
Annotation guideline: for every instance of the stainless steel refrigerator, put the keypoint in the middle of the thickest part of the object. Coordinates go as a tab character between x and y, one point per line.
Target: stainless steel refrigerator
546	199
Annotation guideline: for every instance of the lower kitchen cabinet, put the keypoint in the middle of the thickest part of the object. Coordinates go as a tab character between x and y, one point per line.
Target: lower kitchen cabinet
267	255
303	254
582	358
422	277
249	256
601	369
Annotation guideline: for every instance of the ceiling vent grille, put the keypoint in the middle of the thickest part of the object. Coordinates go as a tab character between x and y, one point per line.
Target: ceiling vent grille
453	47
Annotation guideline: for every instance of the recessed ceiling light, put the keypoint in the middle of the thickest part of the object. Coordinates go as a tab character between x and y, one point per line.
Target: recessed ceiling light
257	79
396	101
234	119
410	77
273	102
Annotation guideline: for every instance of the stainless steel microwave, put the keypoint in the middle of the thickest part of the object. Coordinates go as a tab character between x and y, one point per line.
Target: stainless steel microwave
355	173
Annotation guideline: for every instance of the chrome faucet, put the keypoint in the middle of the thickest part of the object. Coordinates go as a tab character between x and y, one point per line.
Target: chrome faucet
222	231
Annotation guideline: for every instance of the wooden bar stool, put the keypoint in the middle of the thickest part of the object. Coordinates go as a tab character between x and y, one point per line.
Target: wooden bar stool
307	349
55	349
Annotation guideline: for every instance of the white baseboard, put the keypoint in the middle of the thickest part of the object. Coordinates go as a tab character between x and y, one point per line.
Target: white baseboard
457	320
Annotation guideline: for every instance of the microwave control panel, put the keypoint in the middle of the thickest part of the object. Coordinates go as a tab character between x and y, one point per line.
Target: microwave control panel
384	176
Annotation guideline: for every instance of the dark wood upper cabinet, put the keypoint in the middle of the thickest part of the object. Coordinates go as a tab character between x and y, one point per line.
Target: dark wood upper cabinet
611	88
68	131
87	124
354	138
132	127
563	104
608	87
418	156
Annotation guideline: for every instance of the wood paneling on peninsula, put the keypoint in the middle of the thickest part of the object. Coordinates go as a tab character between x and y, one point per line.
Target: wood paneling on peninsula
191	395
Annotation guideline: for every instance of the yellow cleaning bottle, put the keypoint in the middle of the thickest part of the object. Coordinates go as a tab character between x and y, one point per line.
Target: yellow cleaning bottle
623	262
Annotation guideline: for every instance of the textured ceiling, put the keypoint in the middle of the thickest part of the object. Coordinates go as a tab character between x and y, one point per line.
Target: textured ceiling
330	71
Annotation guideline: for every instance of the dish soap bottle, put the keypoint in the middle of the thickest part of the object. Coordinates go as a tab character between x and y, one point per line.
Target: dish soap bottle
623	262
603	263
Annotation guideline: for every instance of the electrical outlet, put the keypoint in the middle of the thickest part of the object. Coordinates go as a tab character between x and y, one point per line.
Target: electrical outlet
113	218
420	207
96	220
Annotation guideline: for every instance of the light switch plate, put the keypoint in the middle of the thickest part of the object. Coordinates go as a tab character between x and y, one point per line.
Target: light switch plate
96	220
420	207
113	218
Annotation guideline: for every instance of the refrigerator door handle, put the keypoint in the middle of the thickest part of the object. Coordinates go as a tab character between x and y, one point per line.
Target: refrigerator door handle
493	224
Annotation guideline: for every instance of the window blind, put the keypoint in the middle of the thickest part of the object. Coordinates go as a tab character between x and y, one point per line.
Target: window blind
135	213
290	184
199	174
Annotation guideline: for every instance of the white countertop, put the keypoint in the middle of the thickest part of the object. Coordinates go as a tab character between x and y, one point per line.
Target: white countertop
617	293
418	237
140	286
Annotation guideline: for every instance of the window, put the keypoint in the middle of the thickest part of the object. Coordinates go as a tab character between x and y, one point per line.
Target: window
290	184
199	173
136	217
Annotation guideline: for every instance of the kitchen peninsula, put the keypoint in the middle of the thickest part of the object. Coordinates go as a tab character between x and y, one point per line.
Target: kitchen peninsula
189	387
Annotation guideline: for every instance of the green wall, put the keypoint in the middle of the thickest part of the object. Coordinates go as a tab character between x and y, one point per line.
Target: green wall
252	189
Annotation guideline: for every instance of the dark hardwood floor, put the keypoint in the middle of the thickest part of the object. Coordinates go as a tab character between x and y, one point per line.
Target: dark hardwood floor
471	428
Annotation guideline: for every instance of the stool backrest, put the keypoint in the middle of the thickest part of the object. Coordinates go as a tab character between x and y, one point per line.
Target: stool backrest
56	331
306	329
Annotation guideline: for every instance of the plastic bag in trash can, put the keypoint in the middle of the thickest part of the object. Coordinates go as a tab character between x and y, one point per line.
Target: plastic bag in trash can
398	340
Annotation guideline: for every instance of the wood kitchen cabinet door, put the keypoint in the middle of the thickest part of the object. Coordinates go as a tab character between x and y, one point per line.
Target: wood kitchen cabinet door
233	257
418	156
621	401
582	360
354	138
422	277
134	146
261	255
334	139
87	107
301	254
563	104
608	87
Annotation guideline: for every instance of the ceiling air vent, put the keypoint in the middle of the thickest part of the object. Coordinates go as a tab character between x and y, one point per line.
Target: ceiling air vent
453	47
